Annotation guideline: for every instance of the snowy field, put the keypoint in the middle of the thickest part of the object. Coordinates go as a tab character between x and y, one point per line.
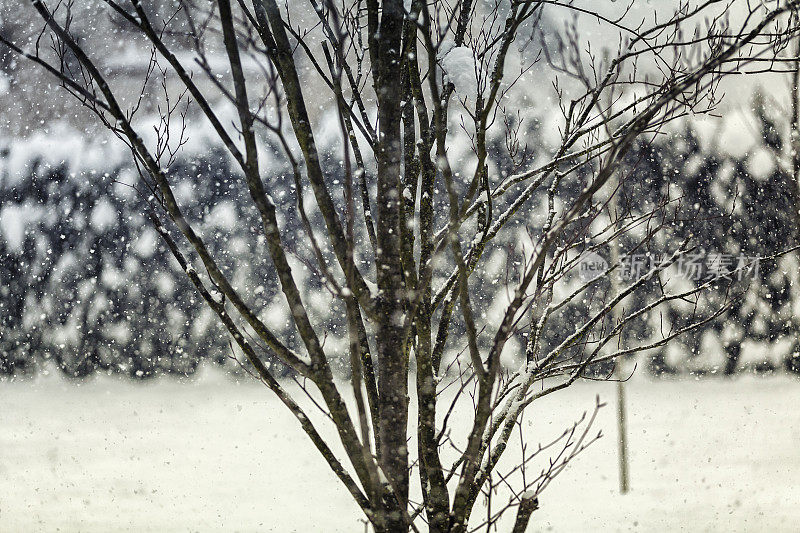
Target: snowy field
214	455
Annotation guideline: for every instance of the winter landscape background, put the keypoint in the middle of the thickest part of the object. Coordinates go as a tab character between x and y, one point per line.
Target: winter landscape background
123	407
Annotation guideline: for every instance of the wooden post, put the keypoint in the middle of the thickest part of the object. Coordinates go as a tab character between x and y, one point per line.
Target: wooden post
622	430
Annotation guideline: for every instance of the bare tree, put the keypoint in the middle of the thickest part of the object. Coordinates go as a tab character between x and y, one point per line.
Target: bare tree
402	236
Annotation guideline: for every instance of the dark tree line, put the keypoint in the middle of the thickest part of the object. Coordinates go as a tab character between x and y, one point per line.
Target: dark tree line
71	294
735	207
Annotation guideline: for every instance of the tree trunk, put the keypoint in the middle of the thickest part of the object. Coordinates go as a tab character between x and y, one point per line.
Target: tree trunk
393	363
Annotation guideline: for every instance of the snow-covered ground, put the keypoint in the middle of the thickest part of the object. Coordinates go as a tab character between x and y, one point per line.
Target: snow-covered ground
214	455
